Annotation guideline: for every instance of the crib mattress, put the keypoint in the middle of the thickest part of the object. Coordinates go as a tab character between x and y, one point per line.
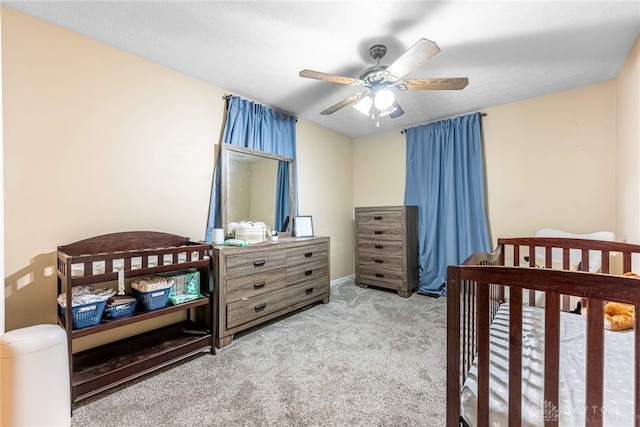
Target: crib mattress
618	406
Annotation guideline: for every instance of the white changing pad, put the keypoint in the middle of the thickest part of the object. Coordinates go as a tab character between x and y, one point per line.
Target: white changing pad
618	406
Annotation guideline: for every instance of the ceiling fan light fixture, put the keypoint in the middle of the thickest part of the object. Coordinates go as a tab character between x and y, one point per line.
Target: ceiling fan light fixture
383	99
388	111
364	105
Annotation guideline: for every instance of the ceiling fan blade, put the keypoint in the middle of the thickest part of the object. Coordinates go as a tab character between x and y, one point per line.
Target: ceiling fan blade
453	83
332	78
415	56
343	103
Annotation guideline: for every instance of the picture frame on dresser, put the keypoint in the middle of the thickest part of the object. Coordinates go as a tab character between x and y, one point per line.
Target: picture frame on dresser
303	226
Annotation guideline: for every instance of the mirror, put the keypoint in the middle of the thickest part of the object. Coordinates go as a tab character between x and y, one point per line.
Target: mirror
249	182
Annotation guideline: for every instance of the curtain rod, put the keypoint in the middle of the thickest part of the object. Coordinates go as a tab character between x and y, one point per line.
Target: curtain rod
227	97
446	118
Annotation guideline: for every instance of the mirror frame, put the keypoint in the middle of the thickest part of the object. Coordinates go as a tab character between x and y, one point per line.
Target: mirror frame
225	151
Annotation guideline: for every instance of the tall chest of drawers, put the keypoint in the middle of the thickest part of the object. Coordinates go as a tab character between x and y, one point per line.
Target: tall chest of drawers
387	248
257	283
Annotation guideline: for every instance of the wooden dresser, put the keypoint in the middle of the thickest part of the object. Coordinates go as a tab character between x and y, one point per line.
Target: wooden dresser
387	248
257	283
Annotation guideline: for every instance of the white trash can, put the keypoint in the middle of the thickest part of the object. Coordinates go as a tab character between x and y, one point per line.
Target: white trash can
35	377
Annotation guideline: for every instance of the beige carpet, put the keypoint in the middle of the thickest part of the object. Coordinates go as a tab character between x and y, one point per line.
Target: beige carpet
368	358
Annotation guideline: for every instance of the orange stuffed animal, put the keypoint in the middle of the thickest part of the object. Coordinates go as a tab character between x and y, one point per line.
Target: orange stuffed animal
619	316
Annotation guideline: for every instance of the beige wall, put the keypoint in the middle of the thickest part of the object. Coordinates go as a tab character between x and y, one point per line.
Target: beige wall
325	190
628	149
2	322
550	162
379	169
97	141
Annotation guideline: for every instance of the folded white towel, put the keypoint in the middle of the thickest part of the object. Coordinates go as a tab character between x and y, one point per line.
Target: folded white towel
152	283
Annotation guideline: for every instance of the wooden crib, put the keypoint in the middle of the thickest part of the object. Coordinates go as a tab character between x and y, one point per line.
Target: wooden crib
509	281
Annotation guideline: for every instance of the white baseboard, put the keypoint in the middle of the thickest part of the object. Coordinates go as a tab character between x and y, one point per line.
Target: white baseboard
342	280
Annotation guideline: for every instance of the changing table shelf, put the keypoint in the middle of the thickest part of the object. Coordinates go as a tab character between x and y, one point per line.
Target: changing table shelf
107	324
103	367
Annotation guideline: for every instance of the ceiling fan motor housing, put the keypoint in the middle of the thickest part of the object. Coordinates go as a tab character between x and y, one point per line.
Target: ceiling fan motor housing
378	51
375	73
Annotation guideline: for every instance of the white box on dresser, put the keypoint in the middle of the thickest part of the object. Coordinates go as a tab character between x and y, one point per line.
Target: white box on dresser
387	248
257	283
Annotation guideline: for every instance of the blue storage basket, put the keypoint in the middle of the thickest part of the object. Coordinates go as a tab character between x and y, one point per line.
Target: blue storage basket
120	310
88	314
153	300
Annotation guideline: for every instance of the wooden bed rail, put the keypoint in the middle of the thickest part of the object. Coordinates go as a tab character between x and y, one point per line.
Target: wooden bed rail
595	287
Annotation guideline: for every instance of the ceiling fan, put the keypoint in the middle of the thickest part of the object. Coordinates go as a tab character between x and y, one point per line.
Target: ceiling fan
378	100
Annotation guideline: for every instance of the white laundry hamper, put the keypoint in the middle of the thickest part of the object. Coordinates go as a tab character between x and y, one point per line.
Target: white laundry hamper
35	377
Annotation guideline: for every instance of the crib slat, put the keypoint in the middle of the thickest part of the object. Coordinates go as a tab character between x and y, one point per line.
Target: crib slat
482	323
551	354
637	370
467	332
532	263
584	266
604	259
453	348
595	362
626	262
515	357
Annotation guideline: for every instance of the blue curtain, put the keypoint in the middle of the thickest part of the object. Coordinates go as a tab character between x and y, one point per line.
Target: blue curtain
258	127
445	179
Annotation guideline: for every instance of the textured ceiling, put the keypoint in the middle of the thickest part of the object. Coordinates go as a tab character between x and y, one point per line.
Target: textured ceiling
509	50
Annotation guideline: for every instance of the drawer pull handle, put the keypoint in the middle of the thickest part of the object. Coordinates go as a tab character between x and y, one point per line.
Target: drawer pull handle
378	232
258	285
379	261
260	307
377	218
379	275
308	254
259	263
308	291
379	246
308	272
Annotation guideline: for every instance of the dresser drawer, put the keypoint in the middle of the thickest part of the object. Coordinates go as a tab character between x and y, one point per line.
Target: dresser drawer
306	272
307	290
254	263
307	254
379	216
379	246
246	310
380	261
392	278
255	284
